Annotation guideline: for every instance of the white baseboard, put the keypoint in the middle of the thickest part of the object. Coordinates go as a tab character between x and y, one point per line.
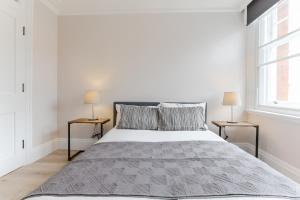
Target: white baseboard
76	144
41	151
276	163
51	5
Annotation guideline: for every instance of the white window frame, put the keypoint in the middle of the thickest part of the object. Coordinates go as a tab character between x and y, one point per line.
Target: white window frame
268	109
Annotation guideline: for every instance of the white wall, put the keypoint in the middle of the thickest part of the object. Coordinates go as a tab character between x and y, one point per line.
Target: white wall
148	57
279	135
44	75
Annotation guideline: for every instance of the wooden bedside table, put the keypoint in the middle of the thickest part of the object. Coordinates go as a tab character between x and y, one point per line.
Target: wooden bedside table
100	121
223	124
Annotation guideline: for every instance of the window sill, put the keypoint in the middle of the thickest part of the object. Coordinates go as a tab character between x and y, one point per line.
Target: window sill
275	115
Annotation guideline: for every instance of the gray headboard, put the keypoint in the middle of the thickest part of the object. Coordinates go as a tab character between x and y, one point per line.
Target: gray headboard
146	104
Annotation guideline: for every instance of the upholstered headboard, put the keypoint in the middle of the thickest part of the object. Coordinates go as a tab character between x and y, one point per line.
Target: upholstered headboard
146	104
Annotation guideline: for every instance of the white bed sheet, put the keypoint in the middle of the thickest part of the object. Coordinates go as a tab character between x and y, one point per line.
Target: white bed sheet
125	135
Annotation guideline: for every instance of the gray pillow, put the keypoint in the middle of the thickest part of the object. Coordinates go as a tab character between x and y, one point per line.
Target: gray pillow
181	119
138	117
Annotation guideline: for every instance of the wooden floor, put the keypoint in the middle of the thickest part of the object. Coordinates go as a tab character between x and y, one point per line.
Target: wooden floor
22	181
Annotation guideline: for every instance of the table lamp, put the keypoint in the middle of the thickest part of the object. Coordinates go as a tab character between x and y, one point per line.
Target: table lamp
92	97
231	99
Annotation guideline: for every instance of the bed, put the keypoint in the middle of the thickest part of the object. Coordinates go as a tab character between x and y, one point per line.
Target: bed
147	163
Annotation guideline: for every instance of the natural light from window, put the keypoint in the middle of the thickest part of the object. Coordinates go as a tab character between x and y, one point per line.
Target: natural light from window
279	56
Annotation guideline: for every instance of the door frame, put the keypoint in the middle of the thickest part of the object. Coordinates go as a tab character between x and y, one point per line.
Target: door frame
28	89
32	153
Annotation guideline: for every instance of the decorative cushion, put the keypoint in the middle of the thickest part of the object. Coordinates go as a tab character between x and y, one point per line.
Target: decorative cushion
172	105
181	119
138	117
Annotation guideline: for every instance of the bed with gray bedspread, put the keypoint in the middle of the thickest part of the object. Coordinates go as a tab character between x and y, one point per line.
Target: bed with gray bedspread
168	170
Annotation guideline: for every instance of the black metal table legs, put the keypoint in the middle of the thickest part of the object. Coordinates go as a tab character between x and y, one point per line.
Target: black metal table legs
69	145
257	140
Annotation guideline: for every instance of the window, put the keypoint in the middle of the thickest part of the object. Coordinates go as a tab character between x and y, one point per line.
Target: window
279	56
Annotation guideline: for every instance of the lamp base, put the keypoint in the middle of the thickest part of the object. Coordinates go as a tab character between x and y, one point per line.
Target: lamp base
231	122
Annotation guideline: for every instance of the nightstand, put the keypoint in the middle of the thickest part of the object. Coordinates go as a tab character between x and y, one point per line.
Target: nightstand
223	124
97	133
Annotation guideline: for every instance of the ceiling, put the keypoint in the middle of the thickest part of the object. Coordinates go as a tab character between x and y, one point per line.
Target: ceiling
85	7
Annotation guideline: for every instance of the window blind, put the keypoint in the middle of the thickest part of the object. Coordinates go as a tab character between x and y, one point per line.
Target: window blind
257	8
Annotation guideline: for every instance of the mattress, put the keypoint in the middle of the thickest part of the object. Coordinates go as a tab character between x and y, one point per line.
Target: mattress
122	135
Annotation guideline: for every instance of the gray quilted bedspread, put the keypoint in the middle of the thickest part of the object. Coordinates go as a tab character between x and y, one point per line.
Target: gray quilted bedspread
168	170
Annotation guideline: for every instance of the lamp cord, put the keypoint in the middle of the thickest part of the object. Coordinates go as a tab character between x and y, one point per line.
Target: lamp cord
225	134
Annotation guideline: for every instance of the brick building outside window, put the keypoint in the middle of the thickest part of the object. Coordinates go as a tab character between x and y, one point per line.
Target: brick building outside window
279	56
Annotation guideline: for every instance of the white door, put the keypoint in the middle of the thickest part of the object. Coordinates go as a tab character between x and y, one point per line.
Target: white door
12	78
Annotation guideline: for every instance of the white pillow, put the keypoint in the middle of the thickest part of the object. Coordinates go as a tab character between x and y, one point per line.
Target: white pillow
118	109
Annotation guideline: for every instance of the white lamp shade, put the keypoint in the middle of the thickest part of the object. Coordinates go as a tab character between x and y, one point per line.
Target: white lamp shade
231	99
91	97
